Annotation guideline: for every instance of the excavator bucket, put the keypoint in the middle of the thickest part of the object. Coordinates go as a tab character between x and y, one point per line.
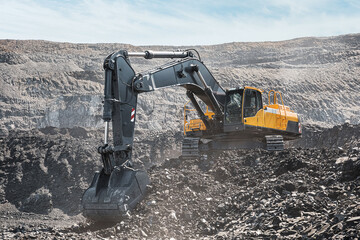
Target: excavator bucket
109	197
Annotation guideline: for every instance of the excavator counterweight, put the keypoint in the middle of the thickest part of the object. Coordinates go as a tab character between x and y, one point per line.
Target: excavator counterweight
234	118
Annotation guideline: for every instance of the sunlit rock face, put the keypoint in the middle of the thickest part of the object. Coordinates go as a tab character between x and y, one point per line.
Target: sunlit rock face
61	84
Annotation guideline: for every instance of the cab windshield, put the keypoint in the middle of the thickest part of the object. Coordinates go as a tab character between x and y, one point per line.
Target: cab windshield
233	106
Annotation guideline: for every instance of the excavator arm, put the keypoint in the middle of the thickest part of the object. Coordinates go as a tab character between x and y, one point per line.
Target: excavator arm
119	187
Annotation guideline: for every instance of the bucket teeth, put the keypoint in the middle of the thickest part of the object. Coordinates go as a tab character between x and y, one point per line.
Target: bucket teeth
111	196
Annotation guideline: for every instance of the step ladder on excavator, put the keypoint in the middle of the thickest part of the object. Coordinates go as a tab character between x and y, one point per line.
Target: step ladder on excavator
190	148
274	143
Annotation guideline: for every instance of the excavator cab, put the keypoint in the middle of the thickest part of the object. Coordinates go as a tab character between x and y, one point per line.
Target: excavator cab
241	104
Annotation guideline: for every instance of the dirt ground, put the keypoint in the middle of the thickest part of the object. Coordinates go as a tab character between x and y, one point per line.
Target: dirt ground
299	193
51	125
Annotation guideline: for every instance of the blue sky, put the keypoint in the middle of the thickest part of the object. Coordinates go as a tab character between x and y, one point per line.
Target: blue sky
187	22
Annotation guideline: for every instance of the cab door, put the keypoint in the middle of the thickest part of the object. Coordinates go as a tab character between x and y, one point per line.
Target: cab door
253	108
233	117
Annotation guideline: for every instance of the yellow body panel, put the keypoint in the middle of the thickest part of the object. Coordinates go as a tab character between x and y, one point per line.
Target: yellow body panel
274	116
195	124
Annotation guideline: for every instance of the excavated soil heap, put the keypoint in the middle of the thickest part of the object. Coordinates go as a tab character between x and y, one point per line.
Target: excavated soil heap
297	193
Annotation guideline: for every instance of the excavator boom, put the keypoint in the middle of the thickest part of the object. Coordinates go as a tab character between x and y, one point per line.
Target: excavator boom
118	187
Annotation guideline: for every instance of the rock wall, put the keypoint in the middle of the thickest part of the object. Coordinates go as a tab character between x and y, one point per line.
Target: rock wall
61	84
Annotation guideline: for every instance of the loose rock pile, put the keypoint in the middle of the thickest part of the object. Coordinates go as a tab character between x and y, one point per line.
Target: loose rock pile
253	194
249	194
344	136
292	194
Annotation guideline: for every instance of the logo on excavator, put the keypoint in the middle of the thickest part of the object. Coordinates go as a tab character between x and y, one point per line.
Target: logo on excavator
132	118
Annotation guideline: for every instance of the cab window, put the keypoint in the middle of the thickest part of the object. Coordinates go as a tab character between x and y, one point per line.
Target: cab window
233	107
252	103
259	104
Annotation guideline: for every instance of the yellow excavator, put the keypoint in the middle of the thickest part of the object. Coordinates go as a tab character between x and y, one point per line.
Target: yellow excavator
227	119
248	123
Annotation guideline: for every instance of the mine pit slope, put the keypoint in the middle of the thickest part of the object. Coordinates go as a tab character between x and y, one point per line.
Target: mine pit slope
50	128
61	84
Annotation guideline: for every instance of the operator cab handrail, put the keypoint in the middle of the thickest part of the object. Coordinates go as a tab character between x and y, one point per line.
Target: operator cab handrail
275	101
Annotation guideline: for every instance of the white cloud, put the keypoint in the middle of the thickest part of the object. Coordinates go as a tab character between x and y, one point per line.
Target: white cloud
171	23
